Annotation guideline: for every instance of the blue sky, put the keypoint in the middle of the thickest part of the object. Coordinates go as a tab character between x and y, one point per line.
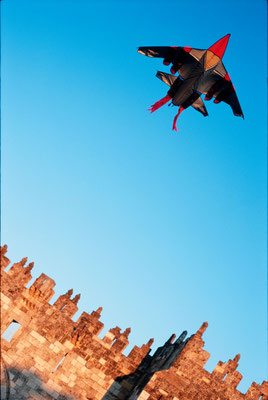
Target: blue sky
163	230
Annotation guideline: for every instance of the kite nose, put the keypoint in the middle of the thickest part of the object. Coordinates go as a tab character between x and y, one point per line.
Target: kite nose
219	47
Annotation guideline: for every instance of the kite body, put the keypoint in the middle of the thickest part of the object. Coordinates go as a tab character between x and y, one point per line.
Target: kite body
200	72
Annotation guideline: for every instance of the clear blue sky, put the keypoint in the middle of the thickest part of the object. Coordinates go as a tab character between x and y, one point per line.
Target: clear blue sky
164	230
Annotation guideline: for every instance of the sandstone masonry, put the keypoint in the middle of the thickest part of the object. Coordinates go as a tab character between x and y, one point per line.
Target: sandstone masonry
52	357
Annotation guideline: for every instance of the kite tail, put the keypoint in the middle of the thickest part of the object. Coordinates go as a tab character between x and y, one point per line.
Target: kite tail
160	103
175	119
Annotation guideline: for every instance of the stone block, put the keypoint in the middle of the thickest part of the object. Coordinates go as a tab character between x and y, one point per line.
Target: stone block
81	360
72	377
64	378
69	345
144	395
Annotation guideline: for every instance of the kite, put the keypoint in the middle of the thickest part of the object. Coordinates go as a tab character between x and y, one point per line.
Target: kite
200	72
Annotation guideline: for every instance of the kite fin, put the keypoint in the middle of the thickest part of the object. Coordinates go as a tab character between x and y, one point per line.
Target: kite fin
175	119
166	78
160	103
219	47
200	106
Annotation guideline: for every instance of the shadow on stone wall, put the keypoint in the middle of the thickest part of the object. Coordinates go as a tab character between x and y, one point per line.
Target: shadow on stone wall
16	385
129	387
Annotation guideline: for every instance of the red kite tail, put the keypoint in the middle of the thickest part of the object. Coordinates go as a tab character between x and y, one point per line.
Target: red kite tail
160	103
175	119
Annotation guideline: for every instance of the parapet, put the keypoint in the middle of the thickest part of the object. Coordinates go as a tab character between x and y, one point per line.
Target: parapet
52	357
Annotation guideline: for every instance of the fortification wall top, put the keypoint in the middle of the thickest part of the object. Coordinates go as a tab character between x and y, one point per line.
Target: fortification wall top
68	359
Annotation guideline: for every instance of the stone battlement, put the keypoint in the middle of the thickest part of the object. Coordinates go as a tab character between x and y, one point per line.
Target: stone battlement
52	357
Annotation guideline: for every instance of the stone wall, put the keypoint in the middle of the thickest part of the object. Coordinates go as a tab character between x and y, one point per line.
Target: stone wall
52	357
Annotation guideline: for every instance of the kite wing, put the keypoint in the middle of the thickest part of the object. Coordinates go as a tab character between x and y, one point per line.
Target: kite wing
167	78
178	56
217	83
199	105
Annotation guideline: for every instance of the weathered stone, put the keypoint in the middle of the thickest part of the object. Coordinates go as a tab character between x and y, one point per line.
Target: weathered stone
53	357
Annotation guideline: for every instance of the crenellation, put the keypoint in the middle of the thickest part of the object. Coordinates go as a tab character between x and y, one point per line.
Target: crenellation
19	273
193	353
112	335
70	309
121	342
222	370
256	391
52	357
90	323
76	299
202	330
42	288
3	259
62	300
137	354
29	267
232	365
233	379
